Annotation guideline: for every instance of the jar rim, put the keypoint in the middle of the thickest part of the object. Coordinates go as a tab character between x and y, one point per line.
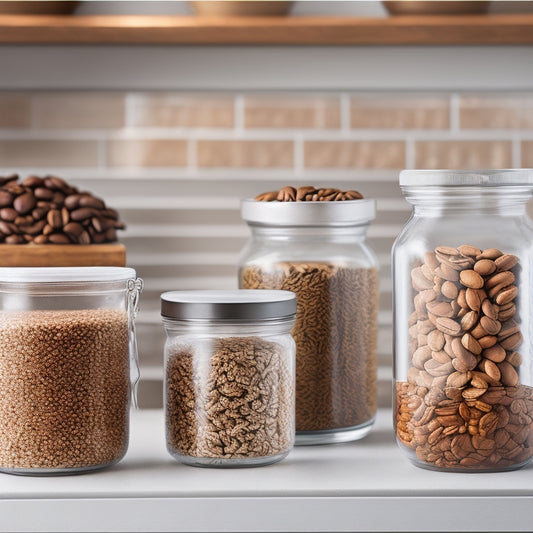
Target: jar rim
65	274
345	213
455	178
240	305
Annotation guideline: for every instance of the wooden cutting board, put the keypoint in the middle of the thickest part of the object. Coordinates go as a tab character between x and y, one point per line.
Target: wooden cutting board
61	255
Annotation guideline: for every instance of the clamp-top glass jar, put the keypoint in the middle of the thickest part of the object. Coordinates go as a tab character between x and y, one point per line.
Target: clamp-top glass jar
319	251
67	357
462	270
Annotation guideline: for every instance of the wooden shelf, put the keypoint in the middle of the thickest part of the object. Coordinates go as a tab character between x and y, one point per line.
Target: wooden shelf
298	30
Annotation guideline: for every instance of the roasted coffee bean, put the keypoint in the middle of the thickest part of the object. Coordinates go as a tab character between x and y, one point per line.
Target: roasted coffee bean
54	219
58	238
91	201
33	181
8	214
42	193
14	239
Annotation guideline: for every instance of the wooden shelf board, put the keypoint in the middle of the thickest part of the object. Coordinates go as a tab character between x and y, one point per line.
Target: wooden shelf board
498	29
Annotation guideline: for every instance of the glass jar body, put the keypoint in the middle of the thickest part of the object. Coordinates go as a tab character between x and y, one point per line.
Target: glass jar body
65	375
229	392
462	327
333	272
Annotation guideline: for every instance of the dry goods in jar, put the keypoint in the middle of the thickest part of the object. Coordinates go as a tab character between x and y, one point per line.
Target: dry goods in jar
308	193
336	339
229	398
64	388
50	211
463	405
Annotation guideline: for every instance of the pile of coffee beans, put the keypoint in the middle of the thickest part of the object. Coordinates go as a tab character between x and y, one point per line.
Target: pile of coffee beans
50	211
308	193
463	405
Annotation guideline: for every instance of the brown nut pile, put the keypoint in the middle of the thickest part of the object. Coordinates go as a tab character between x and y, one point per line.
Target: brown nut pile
463	406
50	211
308	194
229	398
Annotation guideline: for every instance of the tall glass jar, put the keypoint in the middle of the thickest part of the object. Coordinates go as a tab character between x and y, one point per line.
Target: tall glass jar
319	251
67	358
229	376
462	269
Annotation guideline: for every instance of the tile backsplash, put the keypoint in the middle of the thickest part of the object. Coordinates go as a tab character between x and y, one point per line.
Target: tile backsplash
176	164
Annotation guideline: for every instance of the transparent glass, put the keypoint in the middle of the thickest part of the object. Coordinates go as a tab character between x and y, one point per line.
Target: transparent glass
334	274
67	361
229	392
463	398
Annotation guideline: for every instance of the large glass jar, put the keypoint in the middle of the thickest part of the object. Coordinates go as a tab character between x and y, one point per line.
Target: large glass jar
319	251
462	320
67	358
229	376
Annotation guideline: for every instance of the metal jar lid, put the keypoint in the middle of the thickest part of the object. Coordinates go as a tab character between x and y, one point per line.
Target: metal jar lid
345	213
455	178
228	305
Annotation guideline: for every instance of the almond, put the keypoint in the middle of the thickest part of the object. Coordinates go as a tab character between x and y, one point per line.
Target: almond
485	267
471	279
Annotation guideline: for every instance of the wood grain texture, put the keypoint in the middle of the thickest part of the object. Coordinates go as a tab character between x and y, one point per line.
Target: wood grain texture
497	29
62	255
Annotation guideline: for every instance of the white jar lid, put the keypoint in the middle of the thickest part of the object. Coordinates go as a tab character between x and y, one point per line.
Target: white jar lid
64	274
345	213
485	178
242	304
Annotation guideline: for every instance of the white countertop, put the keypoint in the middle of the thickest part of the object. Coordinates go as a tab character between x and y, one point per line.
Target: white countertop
361	486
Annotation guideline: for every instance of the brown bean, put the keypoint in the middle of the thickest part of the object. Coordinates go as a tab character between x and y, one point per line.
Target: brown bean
496	353
42	193
448	325
471	344
490	253
24	203
492	327
487	341
8	214
469	320
58	238
501	278
440	309
506	261
83	213
509	374
470	251
84	238
54	218
506	295
466	357
471	279
87	200
485	267
513	342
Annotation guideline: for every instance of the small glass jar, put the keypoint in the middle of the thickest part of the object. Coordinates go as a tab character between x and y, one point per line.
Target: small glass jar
229	376
67	347
462	269
319	251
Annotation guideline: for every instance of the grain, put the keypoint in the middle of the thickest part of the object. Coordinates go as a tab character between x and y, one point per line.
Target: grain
229	398
336	339
64	389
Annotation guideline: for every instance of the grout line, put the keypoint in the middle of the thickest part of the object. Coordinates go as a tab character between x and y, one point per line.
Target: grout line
239	113
455	125
409	152
516	150
345	112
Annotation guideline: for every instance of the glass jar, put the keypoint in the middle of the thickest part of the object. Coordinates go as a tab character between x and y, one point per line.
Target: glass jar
229	376
319	251
462	320
66	343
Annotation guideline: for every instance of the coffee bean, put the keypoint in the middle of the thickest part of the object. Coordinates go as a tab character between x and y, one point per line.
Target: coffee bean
506	261
83	213
506	295
58	238
484	267
40	239
65	216
54	219
24	203
91	201
84	238
33	181
8	214
42	193
489	253
471	279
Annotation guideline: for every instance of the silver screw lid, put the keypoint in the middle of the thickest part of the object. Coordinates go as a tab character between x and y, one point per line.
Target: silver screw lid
238	305
345	213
